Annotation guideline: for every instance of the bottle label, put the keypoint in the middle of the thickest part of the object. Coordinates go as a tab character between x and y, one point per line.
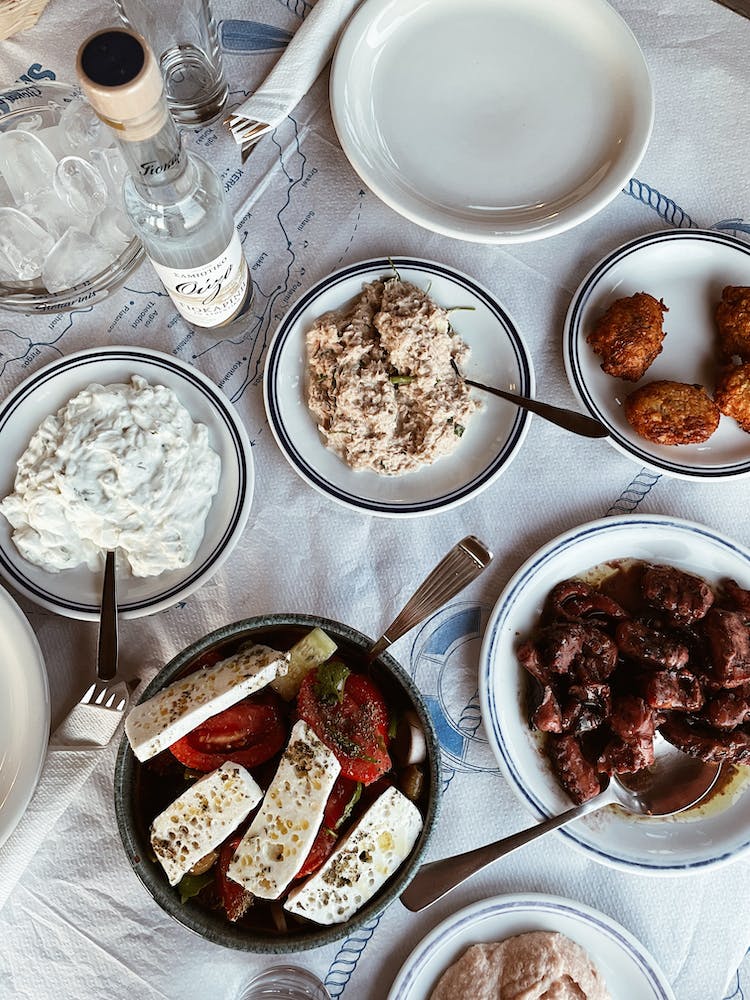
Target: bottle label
212	294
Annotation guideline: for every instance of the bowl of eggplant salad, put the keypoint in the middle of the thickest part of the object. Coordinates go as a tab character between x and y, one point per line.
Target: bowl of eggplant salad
273	789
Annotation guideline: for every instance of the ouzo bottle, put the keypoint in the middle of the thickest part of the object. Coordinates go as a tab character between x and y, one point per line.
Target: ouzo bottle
173	197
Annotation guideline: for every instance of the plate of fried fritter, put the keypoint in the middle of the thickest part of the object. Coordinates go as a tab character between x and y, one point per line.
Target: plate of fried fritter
657	347
611	632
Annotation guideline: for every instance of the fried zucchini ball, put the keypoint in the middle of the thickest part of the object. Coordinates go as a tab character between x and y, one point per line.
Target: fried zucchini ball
628	337
672	412
733	322
733	394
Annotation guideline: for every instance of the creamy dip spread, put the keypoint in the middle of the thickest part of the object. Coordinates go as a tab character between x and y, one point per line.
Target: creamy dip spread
538	965
380	383
119	466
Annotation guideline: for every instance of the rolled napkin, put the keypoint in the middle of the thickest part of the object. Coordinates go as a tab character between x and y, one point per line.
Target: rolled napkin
295	72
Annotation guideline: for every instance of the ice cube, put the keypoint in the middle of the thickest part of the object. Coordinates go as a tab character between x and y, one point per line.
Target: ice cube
112	229
75	257
79	122
25	163
24	243
52	212
6	270
81	185
111	165
55	140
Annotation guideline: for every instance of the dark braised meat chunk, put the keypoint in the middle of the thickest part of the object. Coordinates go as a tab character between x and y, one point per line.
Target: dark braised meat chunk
632	718
728	708
686	598
577	774
576	601
670	690
582	651
708	744
646	645
734	597
548	716
595	704
626	756
729	645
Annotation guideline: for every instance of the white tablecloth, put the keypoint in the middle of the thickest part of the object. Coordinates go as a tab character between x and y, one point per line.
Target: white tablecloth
78	924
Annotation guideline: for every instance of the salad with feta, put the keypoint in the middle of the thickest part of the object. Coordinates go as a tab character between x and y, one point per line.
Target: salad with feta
281	788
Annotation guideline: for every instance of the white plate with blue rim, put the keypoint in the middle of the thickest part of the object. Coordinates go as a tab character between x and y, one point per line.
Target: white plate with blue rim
687	268
76	592
495	121
627	968
708	835
492	436
24	714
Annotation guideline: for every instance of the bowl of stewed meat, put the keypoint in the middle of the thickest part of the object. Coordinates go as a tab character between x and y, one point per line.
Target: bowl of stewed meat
610	633
275	789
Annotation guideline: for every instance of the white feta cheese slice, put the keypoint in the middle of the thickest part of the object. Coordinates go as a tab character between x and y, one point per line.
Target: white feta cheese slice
157	723
284	828
202	818
372	851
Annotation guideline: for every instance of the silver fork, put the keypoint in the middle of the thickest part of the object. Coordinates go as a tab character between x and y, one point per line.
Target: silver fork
465	561
93	722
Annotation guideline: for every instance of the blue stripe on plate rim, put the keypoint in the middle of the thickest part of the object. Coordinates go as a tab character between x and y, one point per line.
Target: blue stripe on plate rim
379	264
498	622
37	380
574	341
553	906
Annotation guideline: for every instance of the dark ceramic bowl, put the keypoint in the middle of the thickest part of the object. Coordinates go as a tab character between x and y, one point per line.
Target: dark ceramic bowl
132	787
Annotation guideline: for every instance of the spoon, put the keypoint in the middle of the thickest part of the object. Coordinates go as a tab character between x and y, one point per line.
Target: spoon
456	570
571	420
672	784
106	654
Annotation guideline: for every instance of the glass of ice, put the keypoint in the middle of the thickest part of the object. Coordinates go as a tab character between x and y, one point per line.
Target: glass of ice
64	236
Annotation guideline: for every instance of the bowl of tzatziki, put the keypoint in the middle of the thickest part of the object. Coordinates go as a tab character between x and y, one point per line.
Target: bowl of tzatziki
119	448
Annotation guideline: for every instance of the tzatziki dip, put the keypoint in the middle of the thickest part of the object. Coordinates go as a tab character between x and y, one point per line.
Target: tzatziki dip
119	466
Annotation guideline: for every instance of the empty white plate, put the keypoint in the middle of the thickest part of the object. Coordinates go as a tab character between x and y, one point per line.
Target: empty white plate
496	121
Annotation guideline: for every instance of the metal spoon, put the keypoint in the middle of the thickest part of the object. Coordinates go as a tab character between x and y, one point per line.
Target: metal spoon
106	655
464	563
571	420
672	784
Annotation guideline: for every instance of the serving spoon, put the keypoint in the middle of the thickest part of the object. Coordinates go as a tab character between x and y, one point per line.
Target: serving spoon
570	420
671	785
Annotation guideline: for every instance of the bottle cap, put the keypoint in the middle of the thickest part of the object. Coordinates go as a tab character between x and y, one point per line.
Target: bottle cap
122	81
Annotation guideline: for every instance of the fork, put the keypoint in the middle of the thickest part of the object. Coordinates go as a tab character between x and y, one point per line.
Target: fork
93	722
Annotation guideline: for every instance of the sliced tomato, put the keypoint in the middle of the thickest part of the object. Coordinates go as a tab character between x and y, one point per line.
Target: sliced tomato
248	733
234	898
341	795
354	724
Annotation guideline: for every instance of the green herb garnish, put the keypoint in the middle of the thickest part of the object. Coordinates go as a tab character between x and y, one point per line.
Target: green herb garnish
350	805
458	429
401	379
191	885
330	680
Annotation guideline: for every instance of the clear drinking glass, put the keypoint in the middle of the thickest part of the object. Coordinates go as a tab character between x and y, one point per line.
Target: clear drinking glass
285	982
184	38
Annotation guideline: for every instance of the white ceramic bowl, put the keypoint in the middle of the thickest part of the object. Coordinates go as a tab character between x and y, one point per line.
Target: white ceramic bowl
707	835
77	592
627	968
495	121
